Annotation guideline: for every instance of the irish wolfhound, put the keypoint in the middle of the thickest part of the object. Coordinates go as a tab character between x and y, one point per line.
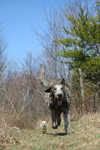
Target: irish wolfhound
58	98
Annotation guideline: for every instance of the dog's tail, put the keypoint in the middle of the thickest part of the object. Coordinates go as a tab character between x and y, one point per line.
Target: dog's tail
42	80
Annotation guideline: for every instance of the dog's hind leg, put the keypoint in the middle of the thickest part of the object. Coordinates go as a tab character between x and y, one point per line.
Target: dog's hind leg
54	119
67	122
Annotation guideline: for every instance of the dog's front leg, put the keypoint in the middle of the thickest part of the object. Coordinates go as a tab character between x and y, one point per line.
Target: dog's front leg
54	119
58	118
67	122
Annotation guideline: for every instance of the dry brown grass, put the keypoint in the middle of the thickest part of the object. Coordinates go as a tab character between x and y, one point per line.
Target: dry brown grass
91	120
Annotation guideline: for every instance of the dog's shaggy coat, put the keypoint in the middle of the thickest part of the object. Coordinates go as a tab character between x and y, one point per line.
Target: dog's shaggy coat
58	99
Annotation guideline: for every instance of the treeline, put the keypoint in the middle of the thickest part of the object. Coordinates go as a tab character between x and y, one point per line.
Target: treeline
75	46
70	49
21	96
82	48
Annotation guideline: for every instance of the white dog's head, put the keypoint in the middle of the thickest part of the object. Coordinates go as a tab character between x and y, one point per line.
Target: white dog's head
43	124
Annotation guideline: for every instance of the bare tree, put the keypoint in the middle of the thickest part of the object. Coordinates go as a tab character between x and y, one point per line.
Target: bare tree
3	47
55	63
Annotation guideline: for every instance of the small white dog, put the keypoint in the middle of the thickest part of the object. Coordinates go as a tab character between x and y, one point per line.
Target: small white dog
43	126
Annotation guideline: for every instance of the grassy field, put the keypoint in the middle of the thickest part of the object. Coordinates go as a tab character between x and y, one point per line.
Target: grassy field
85	136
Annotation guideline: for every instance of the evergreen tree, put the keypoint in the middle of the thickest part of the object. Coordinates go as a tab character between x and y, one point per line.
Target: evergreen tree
82	45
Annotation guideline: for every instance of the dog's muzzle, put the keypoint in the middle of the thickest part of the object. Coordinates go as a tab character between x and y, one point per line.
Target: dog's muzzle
59	99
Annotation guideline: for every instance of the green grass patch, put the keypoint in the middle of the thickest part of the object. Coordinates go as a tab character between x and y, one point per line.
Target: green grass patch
85	136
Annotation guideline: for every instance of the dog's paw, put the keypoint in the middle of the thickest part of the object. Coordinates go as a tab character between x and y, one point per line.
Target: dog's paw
68	132
44	132
55	127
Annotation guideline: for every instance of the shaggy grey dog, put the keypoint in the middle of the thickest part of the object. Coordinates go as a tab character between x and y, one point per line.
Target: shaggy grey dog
58	99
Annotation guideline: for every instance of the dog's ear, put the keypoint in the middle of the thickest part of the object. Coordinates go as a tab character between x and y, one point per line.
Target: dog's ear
63	81
48	90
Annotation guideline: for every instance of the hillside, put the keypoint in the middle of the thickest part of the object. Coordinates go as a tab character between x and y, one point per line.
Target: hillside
85	136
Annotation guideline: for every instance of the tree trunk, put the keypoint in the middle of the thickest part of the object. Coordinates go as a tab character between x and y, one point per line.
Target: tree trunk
81	86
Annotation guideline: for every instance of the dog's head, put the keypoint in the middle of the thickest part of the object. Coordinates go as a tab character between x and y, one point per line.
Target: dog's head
57	91
44	123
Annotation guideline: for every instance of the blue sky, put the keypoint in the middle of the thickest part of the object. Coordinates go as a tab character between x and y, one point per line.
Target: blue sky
19	19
